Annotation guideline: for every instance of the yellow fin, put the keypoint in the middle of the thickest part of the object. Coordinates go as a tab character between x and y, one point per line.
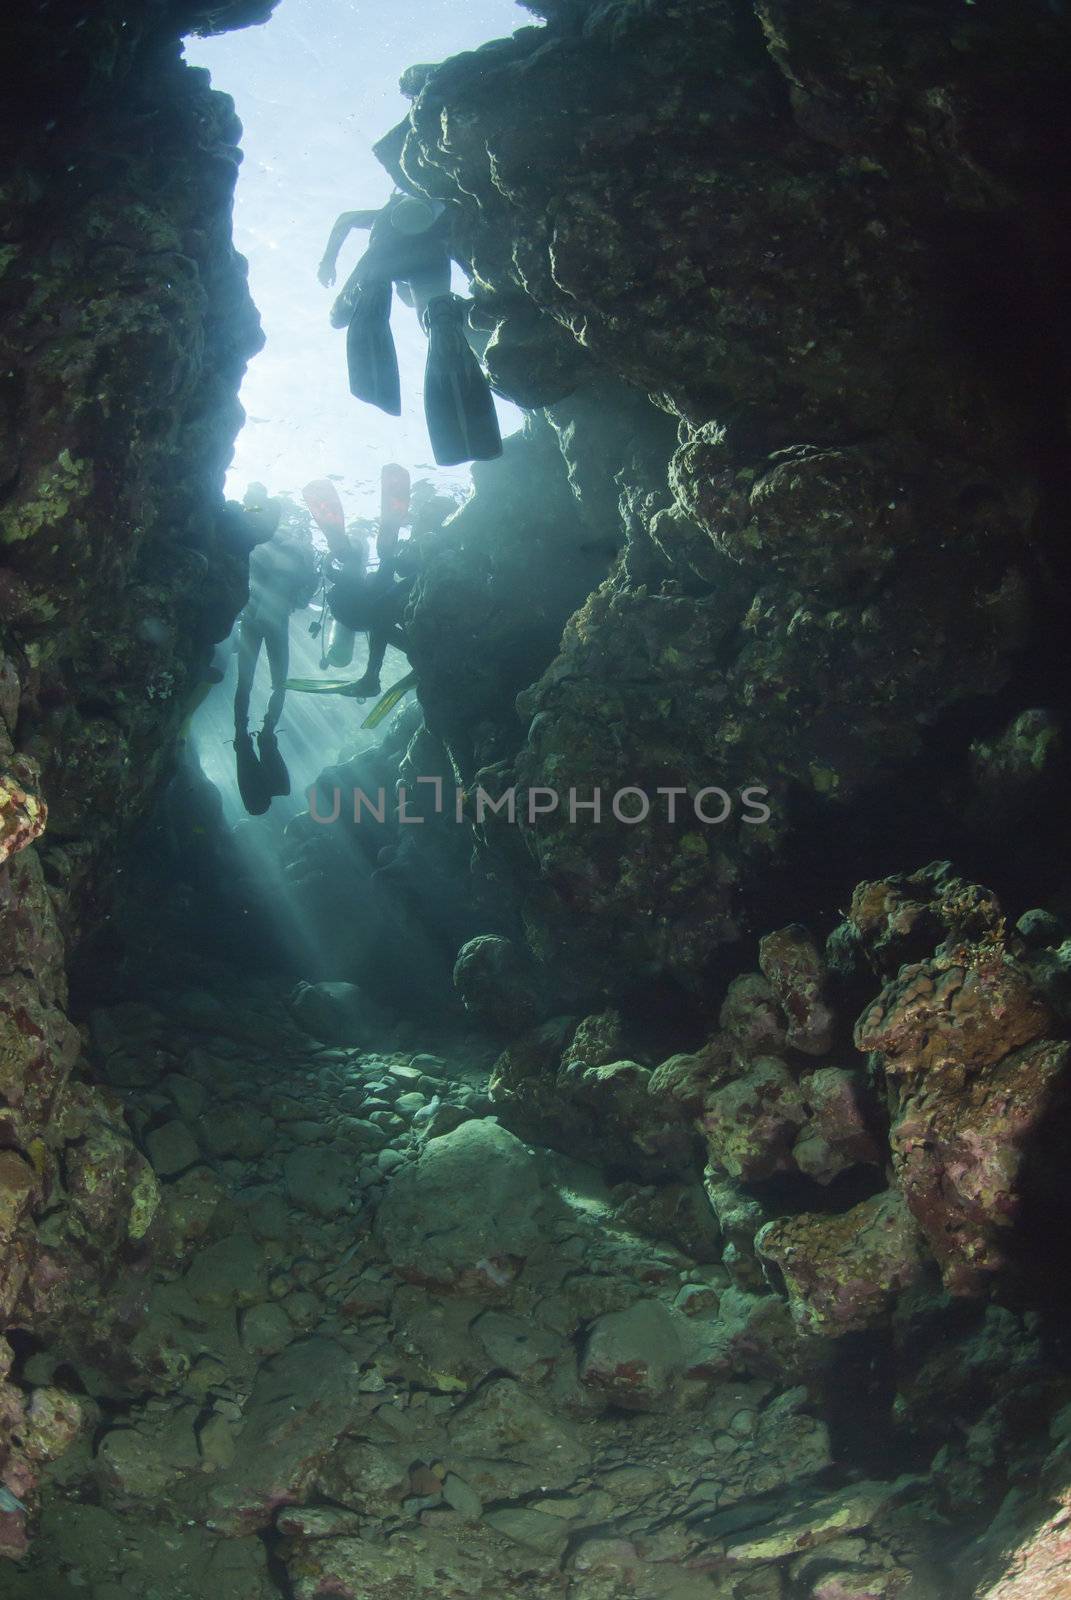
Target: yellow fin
383	707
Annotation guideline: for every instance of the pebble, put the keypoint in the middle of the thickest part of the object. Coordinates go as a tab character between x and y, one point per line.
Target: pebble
408	1103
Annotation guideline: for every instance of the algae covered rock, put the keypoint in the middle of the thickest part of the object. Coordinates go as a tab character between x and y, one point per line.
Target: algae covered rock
843	1273
753	1122
975	1083
572	1086
490	978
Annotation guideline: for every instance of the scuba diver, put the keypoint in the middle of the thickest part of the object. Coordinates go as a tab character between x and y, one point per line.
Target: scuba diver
283	575
359	600
409	245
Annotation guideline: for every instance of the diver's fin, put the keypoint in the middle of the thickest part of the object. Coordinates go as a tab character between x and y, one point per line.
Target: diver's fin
321	685
462	423
272	766
252	784
383	707
323	501
370	352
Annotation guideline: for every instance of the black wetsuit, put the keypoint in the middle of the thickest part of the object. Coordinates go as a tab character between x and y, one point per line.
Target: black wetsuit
371	603
282	577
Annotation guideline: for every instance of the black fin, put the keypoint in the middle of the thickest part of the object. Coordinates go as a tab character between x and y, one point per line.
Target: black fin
370	352
459	406
252	784
272	766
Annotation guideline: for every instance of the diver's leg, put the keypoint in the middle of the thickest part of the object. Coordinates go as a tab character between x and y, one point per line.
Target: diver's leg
369	685
252	785
458	404
428	284
277	641
248	653
386	550
377	649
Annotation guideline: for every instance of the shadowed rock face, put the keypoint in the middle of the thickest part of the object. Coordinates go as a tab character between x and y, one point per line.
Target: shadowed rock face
795	229
125	325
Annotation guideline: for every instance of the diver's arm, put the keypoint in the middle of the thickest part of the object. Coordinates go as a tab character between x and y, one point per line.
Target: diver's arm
339	234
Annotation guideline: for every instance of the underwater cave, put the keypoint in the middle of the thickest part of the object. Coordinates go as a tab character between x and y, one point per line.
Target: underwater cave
535	910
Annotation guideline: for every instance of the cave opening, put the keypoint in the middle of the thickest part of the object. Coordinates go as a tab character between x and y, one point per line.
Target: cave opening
315	87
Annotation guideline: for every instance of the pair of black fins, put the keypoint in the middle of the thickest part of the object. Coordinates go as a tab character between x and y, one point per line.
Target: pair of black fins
460	410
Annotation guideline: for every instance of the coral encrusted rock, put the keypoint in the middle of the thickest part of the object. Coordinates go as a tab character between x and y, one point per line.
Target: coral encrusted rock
975	1083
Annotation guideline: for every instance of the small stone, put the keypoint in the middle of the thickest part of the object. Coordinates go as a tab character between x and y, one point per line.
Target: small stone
406	1076
431	1066
462	1498
188	1095
266	1329
171	1149
302	1308
531	1528
206	1374
371	1134
381	1087
306	1132
320	1181
239	1133
697	1300
413	1505
215	1441
227	1273
317	1522
743	1424
389	1161
411	1102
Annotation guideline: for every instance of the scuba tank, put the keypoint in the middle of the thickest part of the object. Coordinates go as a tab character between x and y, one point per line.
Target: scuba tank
338	646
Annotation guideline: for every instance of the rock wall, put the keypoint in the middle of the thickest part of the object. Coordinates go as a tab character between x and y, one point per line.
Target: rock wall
125	325
825	241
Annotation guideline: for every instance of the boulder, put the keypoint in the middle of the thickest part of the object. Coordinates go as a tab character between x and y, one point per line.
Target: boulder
633	1358
791	962
301	1404
470	1206
336	1013
492	982
752	1123
976	1088
844	1272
